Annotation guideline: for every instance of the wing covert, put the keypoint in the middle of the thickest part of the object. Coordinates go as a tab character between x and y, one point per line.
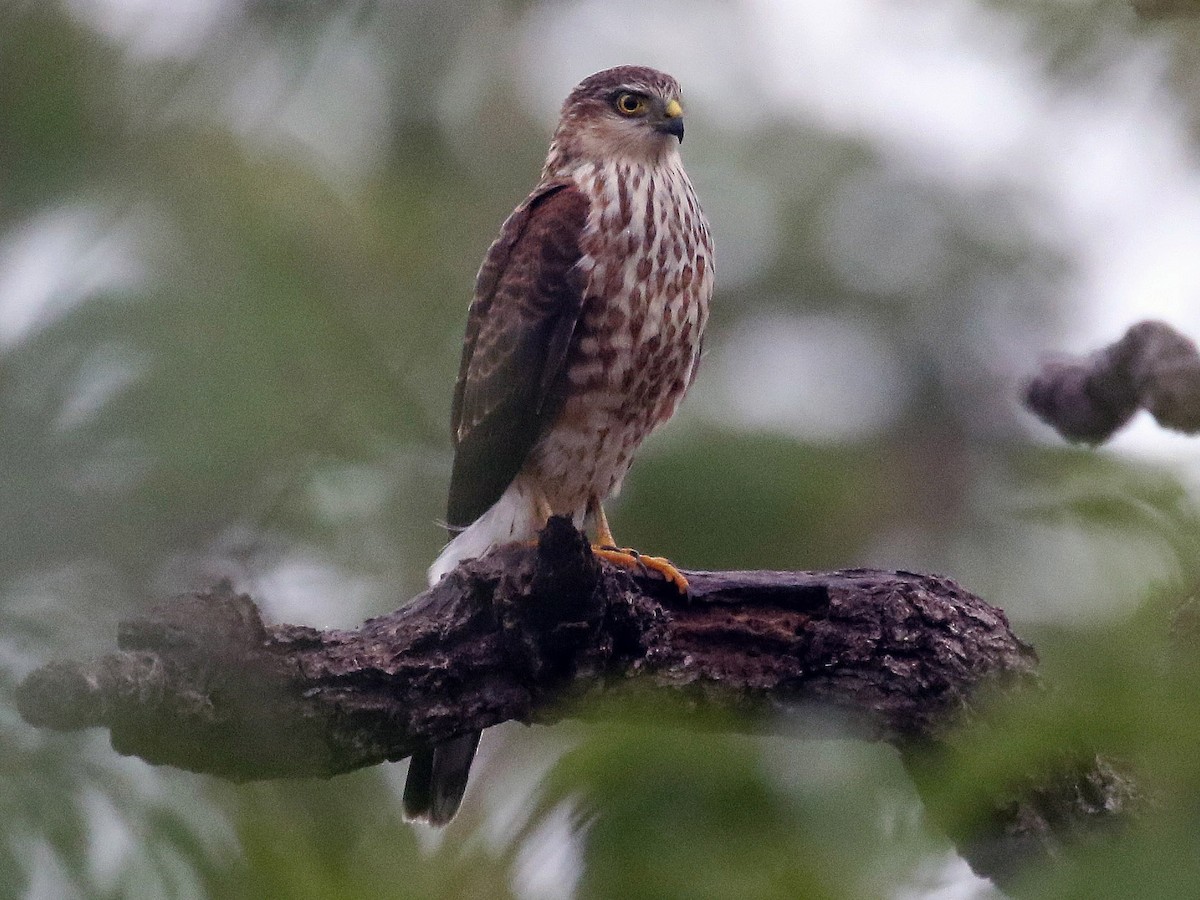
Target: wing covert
528	298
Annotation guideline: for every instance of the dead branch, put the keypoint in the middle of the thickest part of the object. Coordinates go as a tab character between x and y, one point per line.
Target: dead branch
538	634
1167	9
1153	367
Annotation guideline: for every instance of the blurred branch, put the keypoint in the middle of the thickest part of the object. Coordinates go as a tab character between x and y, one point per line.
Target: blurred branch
539	634
1167	9
1153	367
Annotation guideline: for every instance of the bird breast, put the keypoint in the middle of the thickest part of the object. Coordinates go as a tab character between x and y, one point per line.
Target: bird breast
648	266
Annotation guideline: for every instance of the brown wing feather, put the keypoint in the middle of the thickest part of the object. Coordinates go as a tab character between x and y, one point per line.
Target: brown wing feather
528	298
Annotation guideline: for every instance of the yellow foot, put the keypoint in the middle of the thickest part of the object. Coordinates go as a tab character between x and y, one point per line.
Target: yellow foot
631	559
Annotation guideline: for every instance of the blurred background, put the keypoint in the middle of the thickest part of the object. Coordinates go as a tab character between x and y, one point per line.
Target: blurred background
237	241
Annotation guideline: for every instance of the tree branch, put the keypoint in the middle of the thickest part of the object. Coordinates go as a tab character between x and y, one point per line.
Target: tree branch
1152	367
538	634
1167	9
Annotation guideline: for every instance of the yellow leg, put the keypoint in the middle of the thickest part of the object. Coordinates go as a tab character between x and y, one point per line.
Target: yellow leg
606	548
541	508
604	536
542	505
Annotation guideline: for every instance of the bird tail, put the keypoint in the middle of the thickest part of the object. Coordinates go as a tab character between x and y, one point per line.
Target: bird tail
511	518
437	775
437	779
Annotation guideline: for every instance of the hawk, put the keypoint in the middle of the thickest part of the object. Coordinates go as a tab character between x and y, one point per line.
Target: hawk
583	336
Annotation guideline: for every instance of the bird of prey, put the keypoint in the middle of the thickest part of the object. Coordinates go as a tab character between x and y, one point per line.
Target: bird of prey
583	335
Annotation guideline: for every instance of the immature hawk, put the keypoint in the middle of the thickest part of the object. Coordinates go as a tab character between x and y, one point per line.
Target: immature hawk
583	336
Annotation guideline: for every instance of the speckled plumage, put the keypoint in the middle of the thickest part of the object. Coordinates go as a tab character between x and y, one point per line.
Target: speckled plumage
646	256
583	335
587	320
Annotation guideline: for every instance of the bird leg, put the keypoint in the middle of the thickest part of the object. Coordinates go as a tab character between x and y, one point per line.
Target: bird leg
606	548
542	507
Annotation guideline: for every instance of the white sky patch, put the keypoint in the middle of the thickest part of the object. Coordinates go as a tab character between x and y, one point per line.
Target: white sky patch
947	877
942	80
299	588
154	30
816	378
56	260
332	113
335	110
550	862
705	44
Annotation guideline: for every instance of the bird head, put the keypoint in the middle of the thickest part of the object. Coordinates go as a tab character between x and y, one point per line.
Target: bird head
630	112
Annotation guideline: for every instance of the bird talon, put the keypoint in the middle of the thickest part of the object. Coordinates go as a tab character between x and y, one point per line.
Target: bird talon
624	551
628	558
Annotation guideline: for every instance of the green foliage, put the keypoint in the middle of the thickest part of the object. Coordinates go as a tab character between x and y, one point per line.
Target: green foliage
667	811
807	507
345	839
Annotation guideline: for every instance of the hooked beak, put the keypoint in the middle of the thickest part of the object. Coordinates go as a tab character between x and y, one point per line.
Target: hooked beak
672	122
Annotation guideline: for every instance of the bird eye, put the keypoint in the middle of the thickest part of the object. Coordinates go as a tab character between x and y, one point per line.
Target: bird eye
630	104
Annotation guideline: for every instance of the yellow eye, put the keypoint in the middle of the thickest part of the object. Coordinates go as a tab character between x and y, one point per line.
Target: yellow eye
630	104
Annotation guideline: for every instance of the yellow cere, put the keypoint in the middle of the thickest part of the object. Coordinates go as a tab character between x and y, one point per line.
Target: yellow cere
673	110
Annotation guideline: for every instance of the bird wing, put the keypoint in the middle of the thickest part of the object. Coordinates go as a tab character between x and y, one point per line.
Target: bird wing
528	299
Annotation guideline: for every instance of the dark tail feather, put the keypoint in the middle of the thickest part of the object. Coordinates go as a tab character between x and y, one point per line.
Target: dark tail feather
418	784
437	778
